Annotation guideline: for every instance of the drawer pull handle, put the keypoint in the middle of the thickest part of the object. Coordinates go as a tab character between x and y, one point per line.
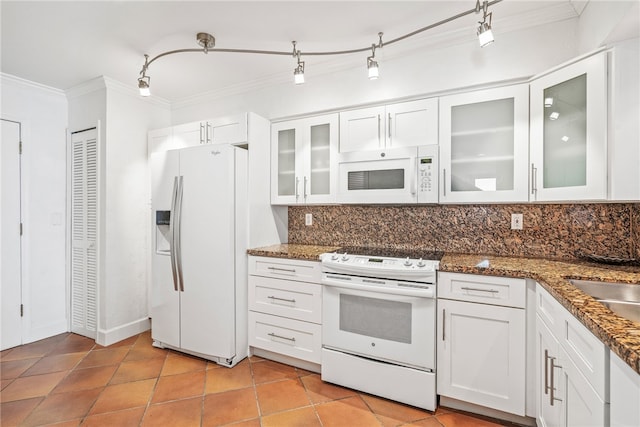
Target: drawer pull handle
552	396
271	334
292	301
288	270
493	291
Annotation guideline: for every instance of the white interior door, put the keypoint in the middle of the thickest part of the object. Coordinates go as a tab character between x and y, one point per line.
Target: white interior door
84	232
10	242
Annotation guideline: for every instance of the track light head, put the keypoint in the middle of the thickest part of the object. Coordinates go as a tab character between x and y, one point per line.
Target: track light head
143	85
298	72
485	35
372	66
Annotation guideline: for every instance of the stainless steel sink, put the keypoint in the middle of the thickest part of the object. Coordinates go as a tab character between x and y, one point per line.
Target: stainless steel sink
621	298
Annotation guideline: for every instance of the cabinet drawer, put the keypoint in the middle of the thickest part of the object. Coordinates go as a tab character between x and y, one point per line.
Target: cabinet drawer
289	337
483	289
295	300
305	271
549	310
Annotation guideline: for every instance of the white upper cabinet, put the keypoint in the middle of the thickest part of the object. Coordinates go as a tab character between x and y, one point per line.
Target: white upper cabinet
303	160
221	130
406	124
568	145
484	145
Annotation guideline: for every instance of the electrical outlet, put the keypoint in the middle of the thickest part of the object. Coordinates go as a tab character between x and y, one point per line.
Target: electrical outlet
516	221
308	219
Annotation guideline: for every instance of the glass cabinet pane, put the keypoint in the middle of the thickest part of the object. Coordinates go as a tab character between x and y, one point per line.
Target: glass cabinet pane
482	146
320	159
565	134
286	162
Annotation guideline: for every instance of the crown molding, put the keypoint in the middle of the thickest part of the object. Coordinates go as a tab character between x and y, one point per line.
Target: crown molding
15	80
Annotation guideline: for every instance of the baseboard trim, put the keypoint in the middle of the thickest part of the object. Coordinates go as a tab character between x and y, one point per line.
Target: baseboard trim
119	333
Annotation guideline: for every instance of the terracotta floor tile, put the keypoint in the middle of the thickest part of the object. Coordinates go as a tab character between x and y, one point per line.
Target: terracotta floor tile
126	418
143	352
182	386
34	386
138	370
13	413
71	423
228	379
63	407
351	411
85	379
229	406
34	349
177	363
73	344
302	417
14	368
183	413
427	422
248	423
103	357
124	396
454	419
320	391
272	371
281	395
57	363
4	383
393	413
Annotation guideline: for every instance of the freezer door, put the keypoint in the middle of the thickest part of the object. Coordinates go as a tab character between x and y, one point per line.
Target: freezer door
165	299
207	236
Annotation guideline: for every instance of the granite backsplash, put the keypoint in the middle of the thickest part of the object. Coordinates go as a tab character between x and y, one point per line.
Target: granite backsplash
558	231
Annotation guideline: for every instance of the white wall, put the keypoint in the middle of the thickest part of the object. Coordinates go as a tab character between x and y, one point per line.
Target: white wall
43	114
127	209
421	72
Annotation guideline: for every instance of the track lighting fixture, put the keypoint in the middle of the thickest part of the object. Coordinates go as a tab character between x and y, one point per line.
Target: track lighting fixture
372	64
298	72
207	43
485	35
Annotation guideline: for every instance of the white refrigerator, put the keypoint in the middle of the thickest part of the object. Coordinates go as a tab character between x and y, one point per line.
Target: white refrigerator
199	262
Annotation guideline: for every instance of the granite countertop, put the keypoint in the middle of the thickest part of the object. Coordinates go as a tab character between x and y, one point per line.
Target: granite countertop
622	336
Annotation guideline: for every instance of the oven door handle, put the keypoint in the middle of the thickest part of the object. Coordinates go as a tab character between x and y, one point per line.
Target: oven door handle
408	291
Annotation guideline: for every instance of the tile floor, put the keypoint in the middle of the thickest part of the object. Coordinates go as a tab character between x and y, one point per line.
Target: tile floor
68	380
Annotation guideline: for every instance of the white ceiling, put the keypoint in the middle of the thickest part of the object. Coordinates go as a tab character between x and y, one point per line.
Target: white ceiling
63	44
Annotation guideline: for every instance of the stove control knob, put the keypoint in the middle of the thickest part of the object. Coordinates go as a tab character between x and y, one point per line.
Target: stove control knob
334	256
345	257
421	263
408	263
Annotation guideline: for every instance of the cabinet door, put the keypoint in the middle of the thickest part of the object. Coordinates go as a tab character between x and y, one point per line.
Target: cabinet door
569	132
188	135
362	129
285	181
412	123
548	378
226	130
481	355
484	146
582	405
319	151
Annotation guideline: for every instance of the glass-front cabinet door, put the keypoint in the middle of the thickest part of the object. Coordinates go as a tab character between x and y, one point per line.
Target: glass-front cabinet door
569	133
303	160
484	145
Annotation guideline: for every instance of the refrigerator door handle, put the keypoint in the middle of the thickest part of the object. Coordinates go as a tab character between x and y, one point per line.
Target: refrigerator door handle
179	234
172	232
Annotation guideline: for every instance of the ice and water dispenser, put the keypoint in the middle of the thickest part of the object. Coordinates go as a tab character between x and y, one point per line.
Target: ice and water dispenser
163	237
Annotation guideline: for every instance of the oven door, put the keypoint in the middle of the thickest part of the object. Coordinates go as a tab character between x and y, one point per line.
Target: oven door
398	329
380	176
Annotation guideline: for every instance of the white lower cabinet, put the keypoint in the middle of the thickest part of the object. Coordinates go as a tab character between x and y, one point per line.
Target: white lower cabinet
625	394
571	369
481	346
285	307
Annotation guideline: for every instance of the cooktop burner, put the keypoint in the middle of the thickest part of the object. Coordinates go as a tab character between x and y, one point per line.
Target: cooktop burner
393	252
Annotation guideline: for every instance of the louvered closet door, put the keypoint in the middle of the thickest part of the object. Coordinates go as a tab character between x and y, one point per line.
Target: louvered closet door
84	229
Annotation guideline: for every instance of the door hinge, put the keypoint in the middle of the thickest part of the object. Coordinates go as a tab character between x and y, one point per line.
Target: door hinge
21	229
21	310
20	147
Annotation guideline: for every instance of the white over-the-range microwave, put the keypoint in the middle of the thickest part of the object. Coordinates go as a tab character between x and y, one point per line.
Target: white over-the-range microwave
395	175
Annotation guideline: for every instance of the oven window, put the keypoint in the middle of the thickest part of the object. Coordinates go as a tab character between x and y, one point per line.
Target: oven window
377	318
376	179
